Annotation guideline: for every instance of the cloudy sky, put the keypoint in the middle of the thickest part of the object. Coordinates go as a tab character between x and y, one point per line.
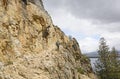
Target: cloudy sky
87	21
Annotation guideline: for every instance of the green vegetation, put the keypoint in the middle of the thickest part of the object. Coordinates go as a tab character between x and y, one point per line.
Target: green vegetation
108	64
80	70
84	59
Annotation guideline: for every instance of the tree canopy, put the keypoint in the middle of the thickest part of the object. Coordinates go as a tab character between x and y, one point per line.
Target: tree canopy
108	64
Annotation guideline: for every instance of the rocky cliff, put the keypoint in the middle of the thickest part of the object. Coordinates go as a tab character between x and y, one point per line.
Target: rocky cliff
32	47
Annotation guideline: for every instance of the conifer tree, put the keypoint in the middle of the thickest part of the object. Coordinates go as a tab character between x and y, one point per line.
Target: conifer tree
102	64
114	64
108	64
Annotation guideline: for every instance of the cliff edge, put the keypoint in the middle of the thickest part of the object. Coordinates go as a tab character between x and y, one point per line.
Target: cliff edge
32	47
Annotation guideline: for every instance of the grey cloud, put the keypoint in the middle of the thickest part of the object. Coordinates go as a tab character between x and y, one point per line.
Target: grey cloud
101	10
111	27
54	4
102	16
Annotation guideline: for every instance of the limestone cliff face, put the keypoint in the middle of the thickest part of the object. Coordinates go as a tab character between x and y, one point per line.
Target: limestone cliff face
31	47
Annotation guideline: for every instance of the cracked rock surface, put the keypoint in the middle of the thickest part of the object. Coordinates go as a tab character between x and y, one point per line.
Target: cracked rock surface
32	47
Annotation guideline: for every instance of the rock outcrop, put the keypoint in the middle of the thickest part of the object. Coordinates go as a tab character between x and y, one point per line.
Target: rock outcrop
32	47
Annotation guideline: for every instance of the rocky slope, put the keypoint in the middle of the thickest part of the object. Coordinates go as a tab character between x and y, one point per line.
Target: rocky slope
31	47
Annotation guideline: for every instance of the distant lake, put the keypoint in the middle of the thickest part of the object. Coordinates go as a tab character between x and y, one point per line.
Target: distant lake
94	56
92	61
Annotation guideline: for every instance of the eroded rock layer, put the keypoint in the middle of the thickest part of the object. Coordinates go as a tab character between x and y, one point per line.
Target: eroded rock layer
31	47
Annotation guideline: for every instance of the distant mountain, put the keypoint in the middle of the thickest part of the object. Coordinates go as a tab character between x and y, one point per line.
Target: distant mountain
94	54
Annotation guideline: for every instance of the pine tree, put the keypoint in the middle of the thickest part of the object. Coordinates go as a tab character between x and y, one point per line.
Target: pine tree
102	64
114	64
108	63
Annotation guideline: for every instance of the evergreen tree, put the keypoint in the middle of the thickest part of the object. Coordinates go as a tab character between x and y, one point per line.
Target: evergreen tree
101	65
108	64
114	64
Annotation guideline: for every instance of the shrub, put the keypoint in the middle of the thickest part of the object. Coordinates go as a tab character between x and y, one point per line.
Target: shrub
80	70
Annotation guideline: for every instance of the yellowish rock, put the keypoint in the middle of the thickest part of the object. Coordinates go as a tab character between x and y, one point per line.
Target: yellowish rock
32	47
